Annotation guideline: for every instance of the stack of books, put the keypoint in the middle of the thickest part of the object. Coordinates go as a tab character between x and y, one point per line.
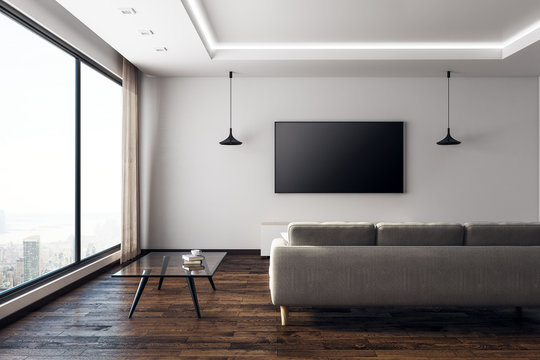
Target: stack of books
192	262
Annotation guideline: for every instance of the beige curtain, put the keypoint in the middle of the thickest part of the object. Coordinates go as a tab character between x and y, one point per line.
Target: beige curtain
130	164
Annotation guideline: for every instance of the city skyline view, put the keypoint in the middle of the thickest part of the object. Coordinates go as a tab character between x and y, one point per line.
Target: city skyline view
32	245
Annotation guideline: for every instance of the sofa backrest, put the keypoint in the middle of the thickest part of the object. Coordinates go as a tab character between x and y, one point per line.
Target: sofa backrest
331	234
419	234
502	234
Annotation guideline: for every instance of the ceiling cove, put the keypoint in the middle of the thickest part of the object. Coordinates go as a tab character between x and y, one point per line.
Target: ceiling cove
404	49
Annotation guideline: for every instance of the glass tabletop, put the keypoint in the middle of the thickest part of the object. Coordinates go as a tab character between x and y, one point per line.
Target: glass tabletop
169	264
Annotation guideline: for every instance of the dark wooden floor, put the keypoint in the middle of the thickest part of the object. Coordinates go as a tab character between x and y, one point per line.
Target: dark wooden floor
239	321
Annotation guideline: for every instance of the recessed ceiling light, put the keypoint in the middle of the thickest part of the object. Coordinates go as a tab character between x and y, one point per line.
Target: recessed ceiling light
161	49
146	32
127	11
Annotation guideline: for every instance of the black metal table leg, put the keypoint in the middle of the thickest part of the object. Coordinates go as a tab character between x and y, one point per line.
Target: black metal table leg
212	282
193	292
164	265
140	290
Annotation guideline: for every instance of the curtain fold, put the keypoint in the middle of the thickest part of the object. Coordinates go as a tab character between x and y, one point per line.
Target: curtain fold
130	246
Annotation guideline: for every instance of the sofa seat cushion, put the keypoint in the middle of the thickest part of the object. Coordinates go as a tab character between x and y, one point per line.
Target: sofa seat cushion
502	234
419	234
331	234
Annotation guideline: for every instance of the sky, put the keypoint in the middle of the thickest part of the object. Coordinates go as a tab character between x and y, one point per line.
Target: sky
37	143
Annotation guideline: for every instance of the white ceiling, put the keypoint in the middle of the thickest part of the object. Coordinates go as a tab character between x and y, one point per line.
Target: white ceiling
313	21
321	37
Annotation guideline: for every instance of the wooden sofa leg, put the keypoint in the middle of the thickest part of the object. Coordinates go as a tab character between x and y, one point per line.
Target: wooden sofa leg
284	313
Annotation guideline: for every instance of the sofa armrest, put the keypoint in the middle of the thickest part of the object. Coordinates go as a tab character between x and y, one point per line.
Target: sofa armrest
278	242
278	246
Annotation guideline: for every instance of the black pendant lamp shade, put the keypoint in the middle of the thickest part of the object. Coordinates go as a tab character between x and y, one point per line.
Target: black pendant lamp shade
448	140
230	140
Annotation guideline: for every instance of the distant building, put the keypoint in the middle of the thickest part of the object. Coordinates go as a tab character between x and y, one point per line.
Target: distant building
31	257
18	278
3	227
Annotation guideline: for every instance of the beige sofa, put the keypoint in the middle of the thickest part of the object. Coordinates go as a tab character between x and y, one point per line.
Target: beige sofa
406	264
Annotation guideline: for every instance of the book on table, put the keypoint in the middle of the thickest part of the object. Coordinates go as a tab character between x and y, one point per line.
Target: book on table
191	257
193	267
194	262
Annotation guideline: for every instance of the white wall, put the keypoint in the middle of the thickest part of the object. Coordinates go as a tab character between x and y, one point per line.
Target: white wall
56	19
199	194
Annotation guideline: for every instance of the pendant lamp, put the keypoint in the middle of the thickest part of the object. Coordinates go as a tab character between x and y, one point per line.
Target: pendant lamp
230	140
448	140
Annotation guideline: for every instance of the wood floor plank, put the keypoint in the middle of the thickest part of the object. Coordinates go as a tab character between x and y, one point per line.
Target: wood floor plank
239	322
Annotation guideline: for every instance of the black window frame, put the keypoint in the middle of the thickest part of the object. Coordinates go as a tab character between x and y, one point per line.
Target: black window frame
79	57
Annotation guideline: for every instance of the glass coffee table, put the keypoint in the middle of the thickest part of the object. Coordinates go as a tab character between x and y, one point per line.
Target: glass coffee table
169	265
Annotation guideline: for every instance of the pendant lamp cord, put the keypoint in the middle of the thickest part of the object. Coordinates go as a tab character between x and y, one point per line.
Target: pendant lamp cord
230	99
448	93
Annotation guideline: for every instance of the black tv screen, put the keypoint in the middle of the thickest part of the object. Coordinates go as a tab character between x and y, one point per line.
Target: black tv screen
338	157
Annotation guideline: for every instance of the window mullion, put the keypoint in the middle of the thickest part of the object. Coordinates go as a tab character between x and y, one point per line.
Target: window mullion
77	160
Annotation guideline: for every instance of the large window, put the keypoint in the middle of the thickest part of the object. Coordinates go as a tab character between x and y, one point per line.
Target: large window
39	212
101	162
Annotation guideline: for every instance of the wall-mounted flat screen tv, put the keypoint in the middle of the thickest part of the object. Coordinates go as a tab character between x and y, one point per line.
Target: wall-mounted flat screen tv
338	157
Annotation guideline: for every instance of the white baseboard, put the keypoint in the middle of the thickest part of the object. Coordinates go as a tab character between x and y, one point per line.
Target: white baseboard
39	293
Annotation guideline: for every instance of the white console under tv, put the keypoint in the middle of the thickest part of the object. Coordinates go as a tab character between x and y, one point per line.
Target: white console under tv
269	232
